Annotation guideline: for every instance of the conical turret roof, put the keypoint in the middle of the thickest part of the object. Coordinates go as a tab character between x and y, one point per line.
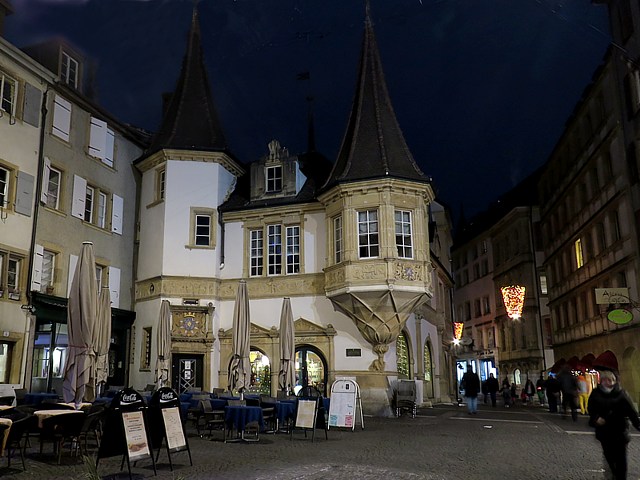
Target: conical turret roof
373	145
190	121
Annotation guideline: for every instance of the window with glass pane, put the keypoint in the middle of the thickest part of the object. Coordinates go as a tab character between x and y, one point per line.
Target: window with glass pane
274	253
203	230
578	252
99	271
88	205
53	188
161	183
337	239
402	356
5	361
4	186
274	178
102	209
69	70
293	250
7	94
256	253
427	362
13	275
48	269
368	246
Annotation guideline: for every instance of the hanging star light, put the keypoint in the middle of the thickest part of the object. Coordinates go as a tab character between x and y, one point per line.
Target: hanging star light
513	297
457	330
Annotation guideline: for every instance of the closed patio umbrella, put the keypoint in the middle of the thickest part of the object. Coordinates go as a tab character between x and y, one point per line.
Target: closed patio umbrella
163	341
79	372
103	337
240	366
286	376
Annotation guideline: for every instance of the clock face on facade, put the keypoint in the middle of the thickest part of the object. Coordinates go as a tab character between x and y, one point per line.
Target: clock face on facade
189	325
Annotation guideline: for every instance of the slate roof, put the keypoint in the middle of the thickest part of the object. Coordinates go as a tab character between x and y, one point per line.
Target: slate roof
190	121
373	145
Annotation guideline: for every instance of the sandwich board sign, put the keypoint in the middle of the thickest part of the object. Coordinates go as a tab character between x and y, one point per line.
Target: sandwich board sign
166	425
346	405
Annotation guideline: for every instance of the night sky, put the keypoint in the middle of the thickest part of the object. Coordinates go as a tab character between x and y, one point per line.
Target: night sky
481	88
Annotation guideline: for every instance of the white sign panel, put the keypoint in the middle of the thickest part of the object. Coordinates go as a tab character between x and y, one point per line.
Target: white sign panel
342	410
136	435
173	428
605	296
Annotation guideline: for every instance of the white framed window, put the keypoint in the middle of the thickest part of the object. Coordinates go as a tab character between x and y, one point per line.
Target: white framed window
337	239
202	234
404	242
61	118
256	253
161	179
293	249
274	249
368	246
8	94
52	188
274	178
13	277
101	219
99	273
69	70
48	270
101	141
5	177
88	204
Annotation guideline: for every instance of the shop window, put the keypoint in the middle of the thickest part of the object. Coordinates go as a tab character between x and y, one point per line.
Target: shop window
402	357
311	369
260	381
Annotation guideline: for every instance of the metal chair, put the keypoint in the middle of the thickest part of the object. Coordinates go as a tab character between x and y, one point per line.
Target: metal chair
17	438
59	428
212	418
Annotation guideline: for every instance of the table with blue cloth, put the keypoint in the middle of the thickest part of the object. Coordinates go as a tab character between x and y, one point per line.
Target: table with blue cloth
285	411
38	398
238	417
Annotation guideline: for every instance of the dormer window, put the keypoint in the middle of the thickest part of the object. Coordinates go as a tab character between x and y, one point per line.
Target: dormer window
69	70
274	178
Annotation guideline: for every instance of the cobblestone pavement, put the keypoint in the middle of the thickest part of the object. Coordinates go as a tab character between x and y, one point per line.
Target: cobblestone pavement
442	443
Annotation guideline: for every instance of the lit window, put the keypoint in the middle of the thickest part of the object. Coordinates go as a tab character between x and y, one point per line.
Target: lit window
578	251
543	284
293	249
337	238
404	242
368	234
203	230
274	178
8	92
69	71
256	253
274	252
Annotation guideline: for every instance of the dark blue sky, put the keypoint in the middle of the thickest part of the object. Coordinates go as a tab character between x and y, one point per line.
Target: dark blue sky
481	88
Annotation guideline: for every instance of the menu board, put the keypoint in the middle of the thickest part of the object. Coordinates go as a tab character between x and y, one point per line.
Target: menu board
173	428
135	435
345	401
306	416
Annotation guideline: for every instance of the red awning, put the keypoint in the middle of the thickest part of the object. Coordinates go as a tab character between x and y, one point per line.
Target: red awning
606	361
557	366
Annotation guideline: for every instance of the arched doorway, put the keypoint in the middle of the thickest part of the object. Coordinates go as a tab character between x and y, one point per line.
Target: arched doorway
260	372
311	368
428	370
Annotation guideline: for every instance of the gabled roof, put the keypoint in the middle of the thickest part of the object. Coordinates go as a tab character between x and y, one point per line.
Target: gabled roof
373	145
190	121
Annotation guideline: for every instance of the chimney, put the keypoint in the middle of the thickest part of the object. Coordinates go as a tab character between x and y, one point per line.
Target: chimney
5	10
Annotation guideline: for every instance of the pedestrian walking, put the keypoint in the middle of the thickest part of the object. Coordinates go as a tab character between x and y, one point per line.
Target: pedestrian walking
583	394
485	392
540	389
569	387
493	386
506	392
553	392
471	385
610	409
513	393
529	391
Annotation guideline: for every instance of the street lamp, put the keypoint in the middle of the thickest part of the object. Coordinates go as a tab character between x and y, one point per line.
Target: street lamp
513	297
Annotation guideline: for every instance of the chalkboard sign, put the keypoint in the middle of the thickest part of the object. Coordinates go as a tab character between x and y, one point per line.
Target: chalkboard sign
125	429
166	424
346	404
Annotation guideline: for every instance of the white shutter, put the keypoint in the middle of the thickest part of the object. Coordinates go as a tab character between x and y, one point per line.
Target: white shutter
114	286
116	214
73	261
79	197
24	193
45	180
97	138
61	118
110	143
36	273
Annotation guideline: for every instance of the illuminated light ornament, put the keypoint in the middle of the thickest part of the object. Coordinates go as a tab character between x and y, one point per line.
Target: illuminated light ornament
513	297
457	330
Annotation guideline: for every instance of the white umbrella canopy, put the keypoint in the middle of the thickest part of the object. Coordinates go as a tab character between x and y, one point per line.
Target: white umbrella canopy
240	366
287	374
79	373
103	330
163	342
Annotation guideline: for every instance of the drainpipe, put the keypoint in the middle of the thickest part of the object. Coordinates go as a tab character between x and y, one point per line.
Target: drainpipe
537	284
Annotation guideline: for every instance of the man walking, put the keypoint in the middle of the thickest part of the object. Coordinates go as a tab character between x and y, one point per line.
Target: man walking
471	385
493	386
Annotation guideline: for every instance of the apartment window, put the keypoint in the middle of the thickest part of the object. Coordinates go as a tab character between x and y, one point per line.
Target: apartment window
368	246
578	252
486	306
88	204
293	249
602	239
53	188
274	249
48	270
477	310
621	279
5	176
467	311
274	178
145	354
404	241
69	70
13	277
615	227
256	252
337	239
61	118
476	271
543	284
161	179
202	230
484	267
6	353
101	141
100	271
8	94
102	209
483	247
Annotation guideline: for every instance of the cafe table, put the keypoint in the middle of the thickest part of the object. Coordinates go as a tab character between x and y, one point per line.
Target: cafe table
238	417
82	406
42	414
38	398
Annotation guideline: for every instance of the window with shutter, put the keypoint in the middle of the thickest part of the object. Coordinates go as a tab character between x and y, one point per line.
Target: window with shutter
8	94
61	118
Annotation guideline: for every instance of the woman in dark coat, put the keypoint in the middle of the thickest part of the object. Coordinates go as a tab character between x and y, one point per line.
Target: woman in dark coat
609	408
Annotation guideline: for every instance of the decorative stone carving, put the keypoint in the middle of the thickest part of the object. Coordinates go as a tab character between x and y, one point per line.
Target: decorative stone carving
411	272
